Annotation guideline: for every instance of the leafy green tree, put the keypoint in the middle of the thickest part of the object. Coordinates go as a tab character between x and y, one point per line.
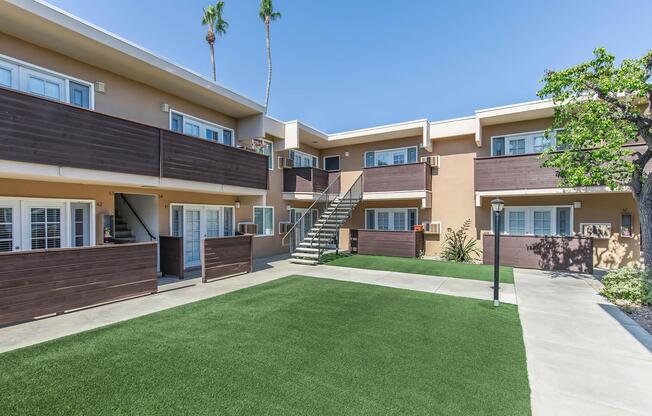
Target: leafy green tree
213	18
268	15
603	109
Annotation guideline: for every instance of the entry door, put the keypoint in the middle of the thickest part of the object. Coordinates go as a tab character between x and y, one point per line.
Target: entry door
213	222
9	227
192	236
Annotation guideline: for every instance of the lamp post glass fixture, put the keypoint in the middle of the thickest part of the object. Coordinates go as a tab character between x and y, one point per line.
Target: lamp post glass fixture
497	206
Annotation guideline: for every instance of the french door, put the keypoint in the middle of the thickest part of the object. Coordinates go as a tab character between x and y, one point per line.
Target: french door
195	222
9	226
306	224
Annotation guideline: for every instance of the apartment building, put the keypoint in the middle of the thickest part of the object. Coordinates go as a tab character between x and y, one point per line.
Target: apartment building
103	142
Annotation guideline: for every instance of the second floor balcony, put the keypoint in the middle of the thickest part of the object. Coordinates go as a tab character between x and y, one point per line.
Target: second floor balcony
406	181
96	147
306	182
507	173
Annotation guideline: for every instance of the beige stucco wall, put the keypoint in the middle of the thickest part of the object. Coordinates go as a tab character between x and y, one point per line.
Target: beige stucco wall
526	126
123	98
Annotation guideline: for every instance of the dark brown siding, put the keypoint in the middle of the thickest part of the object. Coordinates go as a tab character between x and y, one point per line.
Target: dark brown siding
200	160
40	282
171	256
389	243
410	177
513	172
305	180
573	254
227	256
37	130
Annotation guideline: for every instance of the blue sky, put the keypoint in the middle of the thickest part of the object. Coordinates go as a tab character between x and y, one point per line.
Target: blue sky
342	65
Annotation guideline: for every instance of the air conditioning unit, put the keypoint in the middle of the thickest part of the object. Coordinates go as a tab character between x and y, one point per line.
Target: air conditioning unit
434	161
284	227
285	163
433	227
247	228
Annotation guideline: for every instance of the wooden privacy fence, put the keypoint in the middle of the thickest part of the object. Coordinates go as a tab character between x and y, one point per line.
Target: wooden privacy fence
574	254
171	258
387	243
42	282
226	256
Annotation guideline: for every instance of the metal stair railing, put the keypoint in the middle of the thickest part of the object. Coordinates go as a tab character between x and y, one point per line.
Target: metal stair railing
322	203
354	193
124	198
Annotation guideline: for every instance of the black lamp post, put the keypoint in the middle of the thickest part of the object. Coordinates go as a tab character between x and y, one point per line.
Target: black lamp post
497	206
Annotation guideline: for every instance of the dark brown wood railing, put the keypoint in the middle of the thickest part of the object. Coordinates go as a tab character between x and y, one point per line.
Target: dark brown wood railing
513	172
42	282
37	130
223	257
305	180
388	243
171	256
394	178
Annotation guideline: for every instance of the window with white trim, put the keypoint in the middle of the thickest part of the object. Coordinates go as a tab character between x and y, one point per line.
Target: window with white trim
332	163
520	144
264	220
193	126
391	219
390	157
303	160
49	84
6	229
265	147
536	220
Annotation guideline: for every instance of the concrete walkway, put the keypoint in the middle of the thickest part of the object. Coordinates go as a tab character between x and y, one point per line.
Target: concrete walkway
192	290
585	356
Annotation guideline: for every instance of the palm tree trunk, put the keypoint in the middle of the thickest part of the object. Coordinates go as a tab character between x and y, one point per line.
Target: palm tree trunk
269	64
213	61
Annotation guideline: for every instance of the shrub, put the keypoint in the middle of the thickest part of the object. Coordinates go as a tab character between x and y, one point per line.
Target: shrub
629	284
458	246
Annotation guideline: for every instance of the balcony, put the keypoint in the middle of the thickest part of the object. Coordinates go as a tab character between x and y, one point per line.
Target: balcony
45	132
306	183
409	181
507	173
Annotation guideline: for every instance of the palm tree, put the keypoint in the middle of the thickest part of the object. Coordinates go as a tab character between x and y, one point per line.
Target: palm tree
216	24
268	15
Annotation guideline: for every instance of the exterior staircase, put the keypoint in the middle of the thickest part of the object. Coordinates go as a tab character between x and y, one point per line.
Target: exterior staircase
123	233
334	210
323	235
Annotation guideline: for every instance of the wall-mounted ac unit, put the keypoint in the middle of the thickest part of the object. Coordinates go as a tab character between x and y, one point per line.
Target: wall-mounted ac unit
284	227
247	228
433	227
434	161
285	163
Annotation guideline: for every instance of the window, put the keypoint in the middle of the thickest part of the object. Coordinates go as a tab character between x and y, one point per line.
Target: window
390	157
264	220
6	229
265	147
303	160
228	221
45	227
626	226
331	163
80	224
520	144
49	84
391	219
542	220
192	126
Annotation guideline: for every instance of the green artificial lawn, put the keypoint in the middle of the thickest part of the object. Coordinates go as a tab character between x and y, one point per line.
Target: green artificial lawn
420	266
295	346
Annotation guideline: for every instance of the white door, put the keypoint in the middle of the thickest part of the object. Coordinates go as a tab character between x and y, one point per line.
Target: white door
213	222
9	227
192	236
45	225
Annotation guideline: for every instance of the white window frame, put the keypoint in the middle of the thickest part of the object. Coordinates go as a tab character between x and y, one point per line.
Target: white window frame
253	210
397	149
314	158
391	212
203	126
22	219
202	208
270	165
529	141
22	67
339	160
529	218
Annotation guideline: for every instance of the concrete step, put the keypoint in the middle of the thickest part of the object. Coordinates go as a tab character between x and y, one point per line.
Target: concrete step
305	255
304	261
